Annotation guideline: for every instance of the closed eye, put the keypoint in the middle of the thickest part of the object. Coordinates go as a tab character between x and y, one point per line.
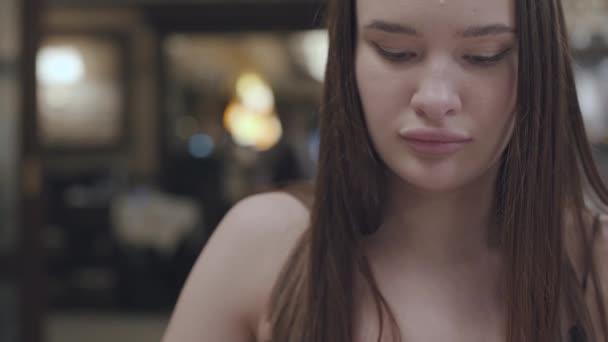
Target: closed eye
487	60
403	56
394	56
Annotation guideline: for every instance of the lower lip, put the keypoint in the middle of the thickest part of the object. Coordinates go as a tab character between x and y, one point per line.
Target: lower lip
435	147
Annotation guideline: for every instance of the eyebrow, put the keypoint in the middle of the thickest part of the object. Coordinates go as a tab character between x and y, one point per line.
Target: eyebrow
392	28
469	32
485	30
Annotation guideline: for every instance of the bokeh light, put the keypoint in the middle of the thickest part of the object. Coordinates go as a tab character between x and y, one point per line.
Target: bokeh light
200	146
254	93
250	118
60	65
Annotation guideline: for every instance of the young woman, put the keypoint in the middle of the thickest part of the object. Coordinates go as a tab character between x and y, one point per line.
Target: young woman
449	203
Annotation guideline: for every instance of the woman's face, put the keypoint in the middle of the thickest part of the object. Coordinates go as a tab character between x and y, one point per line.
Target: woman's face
437	80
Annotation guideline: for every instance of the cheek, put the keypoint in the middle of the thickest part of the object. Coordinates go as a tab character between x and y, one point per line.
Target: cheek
384	92
380	84
493	111
496	102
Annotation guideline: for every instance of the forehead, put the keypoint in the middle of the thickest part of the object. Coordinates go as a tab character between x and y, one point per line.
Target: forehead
437	14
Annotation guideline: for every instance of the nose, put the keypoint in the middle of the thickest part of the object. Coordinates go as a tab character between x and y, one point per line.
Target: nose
436	98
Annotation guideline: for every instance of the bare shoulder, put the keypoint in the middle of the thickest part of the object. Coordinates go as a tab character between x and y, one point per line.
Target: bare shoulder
231	281
263	227
274	212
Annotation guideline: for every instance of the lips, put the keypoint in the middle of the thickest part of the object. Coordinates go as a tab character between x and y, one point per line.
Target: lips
435	141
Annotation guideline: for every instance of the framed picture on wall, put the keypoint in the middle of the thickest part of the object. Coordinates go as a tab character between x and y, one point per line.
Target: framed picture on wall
83	90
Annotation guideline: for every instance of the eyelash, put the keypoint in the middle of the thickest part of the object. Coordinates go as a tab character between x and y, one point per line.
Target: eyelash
477	60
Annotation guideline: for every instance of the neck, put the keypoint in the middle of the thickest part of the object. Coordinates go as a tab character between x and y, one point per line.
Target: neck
445	228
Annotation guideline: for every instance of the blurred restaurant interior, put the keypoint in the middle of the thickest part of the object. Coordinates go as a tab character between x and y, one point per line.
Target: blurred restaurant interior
129	127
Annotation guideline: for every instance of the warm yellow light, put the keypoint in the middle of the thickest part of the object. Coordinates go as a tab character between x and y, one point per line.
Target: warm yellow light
272	134
254	93
248	128
234	113
250	118
229	115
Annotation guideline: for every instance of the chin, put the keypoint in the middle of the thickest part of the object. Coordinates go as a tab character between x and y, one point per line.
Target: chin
437	186
436	179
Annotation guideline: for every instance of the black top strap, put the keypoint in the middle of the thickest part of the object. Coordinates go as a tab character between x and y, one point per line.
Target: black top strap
589	258
577	334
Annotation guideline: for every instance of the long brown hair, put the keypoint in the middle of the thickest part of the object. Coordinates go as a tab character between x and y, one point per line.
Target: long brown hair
539	196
